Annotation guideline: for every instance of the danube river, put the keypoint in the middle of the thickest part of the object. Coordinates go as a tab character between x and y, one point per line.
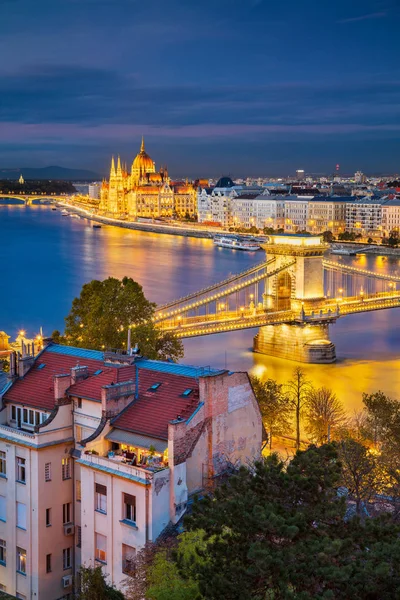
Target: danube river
45	258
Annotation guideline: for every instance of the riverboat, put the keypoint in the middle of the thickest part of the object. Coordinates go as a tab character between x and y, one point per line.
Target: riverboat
236	243
75	216
64	213
96	226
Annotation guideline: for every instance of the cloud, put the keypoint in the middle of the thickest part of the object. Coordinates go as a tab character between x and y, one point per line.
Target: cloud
367	17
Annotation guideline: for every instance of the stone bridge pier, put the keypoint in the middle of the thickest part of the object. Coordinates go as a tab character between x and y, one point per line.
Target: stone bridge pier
297	285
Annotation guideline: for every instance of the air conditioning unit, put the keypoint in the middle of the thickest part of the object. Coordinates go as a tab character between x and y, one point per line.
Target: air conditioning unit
67	581
69	529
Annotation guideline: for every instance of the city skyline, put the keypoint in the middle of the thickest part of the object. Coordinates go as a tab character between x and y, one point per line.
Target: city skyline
243	87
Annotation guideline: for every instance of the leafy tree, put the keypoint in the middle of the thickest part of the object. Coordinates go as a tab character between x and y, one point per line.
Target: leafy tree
277	532
328	236
324	415
101	315
370	240
298	391
275	407
93	586
360	474
382	419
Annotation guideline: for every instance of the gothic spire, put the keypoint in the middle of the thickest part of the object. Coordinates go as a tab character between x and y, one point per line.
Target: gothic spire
142	149
112	170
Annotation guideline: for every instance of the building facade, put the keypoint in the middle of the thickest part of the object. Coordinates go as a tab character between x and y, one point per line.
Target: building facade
100	452
144	192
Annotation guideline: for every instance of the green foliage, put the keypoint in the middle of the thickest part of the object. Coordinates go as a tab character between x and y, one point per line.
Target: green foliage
275	406
93	586
328	236
360	474
298	390
279	533
101	315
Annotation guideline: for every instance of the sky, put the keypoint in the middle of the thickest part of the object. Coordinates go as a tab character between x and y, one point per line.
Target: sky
238	87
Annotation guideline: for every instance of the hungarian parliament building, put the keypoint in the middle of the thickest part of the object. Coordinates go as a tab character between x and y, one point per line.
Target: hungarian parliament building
144	192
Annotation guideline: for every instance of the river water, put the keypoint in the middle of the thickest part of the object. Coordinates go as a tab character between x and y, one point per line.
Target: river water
45	259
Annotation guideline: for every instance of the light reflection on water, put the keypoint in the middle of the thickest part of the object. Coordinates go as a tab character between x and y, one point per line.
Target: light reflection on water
45	258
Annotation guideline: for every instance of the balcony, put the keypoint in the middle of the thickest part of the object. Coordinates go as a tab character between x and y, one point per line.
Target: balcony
116	466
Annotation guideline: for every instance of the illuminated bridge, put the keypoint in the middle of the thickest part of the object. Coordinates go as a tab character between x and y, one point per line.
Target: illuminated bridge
292	297
28	199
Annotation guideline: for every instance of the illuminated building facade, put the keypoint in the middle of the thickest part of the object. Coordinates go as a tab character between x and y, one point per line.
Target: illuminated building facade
144	192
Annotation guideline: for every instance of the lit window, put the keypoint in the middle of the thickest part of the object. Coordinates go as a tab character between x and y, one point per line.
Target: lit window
128	559
101	498
78	434
67	513
101	547
129	511
66	468
21	560
21	469
3	552
47	472
3	464
78	490
66	558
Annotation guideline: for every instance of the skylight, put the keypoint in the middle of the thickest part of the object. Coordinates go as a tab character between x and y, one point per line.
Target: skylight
187	392
154	387
42	366
98	372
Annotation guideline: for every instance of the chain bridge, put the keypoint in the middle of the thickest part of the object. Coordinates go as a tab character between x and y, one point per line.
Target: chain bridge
28	199
292	297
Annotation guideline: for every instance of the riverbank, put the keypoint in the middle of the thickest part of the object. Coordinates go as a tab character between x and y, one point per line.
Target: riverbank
353	248
183	230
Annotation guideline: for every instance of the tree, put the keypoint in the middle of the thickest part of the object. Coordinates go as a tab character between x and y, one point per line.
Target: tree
158	568
359	472
103	312
277	532
93	585
298	390
324	414
275	407
328	236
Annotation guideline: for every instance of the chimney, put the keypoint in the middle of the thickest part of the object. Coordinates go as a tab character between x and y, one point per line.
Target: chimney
78	374
25	362
13	365
61	384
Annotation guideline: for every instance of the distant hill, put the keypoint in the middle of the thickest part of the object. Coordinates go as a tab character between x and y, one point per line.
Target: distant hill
50	173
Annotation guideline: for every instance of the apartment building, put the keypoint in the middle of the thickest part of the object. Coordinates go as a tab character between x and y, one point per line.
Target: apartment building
296	213
327	214
391	216
364	216
257	210
99	452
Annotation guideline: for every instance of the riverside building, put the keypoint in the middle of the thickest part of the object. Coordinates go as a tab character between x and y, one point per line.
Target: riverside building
145	192
100	452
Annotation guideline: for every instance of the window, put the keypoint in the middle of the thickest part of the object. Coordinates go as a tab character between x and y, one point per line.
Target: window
47	472
67	513
21	470
78	490
66	468
101	497
66	558
20	596
79	402
21	515
48	563
21	560
79	536
48	517
101	547
3	552
3	508
128	559
3	464
13	413
129	507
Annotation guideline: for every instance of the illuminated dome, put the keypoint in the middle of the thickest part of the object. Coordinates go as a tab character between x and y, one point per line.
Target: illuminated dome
143	161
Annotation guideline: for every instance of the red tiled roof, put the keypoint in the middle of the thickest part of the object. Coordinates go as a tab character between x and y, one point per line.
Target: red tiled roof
151	413
91	387
36	388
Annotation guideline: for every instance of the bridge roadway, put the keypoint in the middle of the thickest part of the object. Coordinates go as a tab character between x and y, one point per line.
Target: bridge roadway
29	198
327	312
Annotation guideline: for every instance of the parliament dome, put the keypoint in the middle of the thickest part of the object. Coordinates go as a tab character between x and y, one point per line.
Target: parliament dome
143	162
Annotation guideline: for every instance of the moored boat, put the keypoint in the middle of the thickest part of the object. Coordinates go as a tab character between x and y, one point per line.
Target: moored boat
64	213
236	243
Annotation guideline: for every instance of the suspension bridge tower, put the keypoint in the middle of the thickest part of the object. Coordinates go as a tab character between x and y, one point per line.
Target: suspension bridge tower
297	285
